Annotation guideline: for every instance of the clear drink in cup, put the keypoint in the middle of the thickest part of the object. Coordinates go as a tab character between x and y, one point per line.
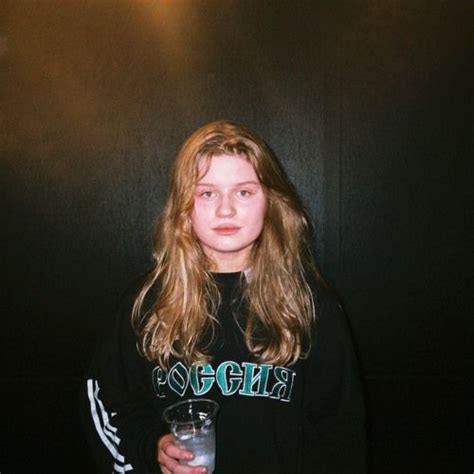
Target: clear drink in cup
192	423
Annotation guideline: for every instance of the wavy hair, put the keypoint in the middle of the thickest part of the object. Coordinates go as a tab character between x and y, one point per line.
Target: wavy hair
184	296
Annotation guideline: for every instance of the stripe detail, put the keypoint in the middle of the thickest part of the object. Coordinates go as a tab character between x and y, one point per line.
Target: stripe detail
106	431
127	467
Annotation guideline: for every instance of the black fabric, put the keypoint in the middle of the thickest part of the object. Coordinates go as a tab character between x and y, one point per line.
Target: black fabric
267	425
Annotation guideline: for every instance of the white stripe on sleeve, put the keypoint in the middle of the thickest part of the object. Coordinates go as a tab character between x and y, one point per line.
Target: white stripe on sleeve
107	432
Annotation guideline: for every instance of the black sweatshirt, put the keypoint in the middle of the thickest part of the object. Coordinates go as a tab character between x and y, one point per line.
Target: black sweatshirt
304	418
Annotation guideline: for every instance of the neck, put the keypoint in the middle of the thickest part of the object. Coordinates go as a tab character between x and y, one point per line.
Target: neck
229	263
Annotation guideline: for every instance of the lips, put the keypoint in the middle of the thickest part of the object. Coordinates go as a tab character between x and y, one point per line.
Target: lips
226	229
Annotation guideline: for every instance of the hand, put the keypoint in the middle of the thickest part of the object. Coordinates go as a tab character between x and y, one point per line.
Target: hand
169	455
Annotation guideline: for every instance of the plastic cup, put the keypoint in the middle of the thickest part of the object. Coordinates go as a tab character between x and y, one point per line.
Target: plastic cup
192	424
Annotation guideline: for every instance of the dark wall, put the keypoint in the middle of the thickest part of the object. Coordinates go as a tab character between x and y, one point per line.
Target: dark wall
367	104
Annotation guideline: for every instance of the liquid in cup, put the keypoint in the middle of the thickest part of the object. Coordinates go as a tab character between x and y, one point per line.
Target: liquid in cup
192	423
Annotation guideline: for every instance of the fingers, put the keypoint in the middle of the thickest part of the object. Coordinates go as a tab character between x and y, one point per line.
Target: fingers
171	450
169	456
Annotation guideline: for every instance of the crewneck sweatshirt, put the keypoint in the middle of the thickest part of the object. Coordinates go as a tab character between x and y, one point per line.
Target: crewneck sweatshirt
303	418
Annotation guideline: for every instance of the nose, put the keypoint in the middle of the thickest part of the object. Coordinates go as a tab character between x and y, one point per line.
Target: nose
225	207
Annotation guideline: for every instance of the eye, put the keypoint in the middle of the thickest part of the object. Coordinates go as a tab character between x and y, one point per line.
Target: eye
207	194
244	193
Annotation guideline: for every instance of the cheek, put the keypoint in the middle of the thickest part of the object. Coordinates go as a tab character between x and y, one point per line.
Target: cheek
194	218
199	217
258	215
262	210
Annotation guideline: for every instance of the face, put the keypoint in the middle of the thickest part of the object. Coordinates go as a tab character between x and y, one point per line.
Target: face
229	210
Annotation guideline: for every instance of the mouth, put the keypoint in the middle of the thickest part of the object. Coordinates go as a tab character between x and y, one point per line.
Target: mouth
226	229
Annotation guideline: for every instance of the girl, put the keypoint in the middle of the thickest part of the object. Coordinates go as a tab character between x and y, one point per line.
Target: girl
233	310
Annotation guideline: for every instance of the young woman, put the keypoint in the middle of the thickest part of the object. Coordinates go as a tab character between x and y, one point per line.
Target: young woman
233	310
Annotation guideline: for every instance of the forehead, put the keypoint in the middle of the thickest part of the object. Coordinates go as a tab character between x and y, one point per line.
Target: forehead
226	169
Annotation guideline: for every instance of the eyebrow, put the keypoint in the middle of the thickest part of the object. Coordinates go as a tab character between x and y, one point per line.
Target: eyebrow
243	183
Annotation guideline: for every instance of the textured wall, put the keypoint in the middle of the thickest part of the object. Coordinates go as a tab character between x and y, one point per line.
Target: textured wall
367	104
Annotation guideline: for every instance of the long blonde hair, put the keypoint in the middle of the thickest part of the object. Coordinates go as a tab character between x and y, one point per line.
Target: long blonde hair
184	294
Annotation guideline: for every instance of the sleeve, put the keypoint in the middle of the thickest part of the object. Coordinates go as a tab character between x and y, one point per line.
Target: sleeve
119	413
334	432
